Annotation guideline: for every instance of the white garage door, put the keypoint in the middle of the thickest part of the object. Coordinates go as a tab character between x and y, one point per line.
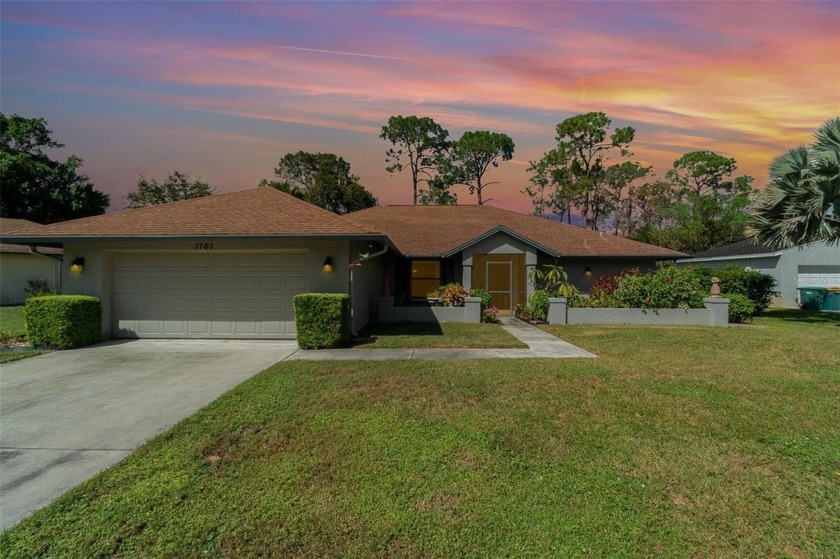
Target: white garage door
206	295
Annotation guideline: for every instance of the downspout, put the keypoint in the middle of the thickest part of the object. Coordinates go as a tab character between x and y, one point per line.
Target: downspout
60	259
356	264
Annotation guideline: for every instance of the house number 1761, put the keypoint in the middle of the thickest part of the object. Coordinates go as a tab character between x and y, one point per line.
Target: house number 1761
203	246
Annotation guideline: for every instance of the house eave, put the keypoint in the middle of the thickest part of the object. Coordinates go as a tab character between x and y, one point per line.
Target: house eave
58	241
733	257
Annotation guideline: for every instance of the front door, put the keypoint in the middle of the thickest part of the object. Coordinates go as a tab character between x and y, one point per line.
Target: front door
500	285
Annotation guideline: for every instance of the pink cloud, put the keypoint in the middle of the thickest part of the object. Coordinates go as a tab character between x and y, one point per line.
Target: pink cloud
744	81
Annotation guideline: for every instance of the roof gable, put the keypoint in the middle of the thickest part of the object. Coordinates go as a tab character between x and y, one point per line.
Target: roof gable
434	231
500	229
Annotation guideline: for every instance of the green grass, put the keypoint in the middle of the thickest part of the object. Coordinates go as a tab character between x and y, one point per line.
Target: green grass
677	442
12	321
13	327
9	356
446	335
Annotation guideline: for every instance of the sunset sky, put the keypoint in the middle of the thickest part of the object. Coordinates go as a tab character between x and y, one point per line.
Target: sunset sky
224	90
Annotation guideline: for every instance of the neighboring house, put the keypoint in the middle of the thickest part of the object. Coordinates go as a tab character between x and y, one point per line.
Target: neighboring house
229	265
812	265
18	264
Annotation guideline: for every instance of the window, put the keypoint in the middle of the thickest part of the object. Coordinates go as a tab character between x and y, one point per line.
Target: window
425	277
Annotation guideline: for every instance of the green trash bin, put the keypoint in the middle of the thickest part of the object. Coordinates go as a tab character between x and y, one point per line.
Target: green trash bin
812	298
832	300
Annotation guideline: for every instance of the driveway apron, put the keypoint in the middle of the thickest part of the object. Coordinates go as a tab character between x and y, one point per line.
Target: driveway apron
67	415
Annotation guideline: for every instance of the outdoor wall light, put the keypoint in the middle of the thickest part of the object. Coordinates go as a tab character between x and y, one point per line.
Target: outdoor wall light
587	273
328	265
78	265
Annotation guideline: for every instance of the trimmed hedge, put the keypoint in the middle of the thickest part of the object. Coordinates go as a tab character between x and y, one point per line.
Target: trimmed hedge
741	307
322	320
63	321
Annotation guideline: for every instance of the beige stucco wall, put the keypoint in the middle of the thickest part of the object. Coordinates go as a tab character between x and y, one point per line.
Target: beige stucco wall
15	269
96	278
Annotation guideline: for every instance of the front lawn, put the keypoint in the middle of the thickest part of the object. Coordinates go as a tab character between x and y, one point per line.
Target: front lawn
677	442
9	356
12	321
446	335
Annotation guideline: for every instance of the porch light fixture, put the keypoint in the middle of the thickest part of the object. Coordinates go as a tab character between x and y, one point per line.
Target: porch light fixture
78	265
328	265
587	273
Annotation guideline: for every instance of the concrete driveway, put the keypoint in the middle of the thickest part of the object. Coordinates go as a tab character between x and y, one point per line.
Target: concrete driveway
67	415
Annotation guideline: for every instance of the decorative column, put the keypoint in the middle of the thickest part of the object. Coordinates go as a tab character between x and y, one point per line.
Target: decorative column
472	309
718	308
530	264
557	310
467	277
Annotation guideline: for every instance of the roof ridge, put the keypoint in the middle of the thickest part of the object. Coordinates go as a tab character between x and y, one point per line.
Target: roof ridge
316	207
203	200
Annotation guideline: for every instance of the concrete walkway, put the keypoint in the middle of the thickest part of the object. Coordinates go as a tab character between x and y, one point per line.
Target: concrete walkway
540	345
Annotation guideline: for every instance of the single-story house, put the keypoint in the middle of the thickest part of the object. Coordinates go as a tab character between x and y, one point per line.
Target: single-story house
18	263
811	265
229	265
494	249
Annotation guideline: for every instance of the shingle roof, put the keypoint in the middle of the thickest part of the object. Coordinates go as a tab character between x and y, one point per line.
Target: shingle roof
9	225
740	248
440	230
253	212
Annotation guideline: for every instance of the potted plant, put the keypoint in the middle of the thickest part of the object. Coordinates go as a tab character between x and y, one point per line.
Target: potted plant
435	297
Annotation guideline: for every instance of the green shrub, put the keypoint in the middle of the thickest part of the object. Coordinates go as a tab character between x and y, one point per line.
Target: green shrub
489	313
601	291
37	287
554	280
486	299
63	321
667	287
741	307
538	303
760	288
322	319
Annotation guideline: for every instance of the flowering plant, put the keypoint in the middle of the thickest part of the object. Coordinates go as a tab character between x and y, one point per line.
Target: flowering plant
490	314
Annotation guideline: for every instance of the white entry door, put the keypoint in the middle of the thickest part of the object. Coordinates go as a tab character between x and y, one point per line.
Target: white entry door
206	295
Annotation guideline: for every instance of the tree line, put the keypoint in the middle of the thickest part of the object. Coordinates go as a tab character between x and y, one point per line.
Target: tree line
587	177
698	204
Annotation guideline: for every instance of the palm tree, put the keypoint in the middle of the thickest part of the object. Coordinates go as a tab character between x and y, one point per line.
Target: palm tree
802	201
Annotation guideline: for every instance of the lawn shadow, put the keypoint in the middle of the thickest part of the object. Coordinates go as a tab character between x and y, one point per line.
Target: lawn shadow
372	332
806	317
